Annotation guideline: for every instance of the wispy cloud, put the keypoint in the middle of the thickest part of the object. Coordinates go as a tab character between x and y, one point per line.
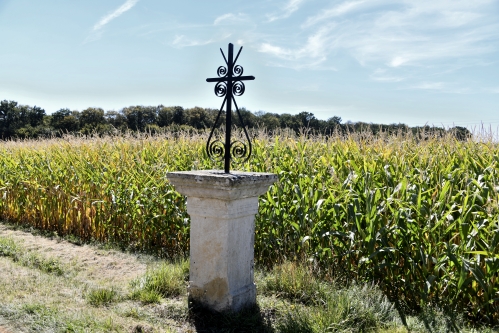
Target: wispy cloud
313	52
116	13
335	11
229	18
288	9
180	41
96	30
407	38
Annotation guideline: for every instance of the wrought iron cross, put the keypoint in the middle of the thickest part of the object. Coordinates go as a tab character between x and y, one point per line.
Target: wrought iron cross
229	83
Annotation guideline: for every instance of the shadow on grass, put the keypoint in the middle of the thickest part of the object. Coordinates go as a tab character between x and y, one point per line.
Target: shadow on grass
251	319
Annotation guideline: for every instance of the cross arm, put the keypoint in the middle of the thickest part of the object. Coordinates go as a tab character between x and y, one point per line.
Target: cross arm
234	78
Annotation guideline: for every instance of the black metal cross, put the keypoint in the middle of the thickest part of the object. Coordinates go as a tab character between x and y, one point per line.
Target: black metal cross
229	83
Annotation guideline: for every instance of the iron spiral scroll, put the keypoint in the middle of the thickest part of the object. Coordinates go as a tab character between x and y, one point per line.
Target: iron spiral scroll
229	83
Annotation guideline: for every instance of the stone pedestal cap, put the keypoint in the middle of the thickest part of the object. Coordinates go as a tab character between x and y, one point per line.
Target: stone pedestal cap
217	184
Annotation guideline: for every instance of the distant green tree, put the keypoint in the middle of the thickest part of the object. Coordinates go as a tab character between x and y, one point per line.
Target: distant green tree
21	121
307	120
287	120
58	116
165	116
179	116
460	133
249	119
331	125
334	120
116	119
9	118
32	116
269	121
92	121
92	116
213	114
65	121
198	118
138	117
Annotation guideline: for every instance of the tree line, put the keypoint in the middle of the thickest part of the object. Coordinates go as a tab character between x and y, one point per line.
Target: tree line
24	122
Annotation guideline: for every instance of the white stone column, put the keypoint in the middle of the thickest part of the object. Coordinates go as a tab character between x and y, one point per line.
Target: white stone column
222	208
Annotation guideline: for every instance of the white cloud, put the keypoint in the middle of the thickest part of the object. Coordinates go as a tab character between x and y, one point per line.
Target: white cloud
425	36
291	7
314	51
180	41
397	61
229	18
97	28
419	32
116	13
335	11
275	50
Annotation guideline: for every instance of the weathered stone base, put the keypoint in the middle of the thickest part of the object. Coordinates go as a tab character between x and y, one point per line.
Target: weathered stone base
234	301
222	208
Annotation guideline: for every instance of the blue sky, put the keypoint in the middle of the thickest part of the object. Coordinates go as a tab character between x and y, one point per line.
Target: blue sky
380	61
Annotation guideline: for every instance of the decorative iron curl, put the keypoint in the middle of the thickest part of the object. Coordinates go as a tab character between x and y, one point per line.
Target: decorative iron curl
216	150
221	89
222	71
238	88
238	70
239	151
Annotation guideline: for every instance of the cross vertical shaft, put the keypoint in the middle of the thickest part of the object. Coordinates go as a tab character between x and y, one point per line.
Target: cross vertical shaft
228	113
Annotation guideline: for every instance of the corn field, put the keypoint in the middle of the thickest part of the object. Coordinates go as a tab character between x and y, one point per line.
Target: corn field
418	216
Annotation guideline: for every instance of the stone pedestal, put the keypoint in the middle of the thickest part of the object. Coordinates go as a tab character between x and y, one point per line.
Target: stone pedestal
222	208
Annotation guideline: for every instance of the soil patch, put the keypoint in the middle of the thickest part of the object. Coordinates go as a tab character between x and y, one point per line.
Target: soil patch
104	265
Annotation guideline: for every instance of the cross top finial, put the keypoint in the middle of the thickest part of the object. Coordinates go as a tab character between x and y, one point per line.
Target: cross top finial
229	84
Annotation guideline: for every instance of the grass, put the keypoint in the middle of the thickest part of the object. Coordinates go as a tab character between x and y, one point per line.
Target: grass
166	280
291	298
319	306
32	259
295	283
9	248
102	296
32	300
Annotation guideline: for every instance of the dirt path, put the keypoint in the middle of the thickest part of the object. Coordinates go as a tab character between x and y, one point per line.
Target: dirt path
104	265
91	266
